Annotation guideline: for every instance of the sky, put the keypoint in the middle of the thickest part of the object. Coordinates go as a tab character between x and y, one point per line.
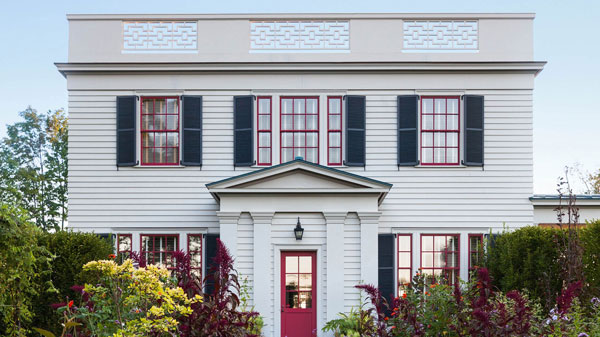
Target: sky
566	96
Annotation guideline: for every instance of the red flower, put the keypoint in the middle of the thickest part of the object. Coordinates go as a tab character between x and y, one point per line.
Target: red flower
70	304
112	256
386	318
404	295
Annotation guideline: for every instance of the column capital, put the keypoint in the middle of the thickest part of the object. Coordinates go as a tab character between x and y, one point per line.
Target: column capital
335	217
262	217
369	217
228	217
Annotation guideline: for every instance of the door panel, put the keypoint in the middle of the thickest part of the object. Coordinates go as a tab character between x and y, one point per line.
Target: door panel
298	294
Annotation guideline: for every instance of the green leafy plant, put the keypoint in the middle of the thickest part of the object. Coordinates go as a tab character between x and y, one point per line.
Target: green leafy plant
257	321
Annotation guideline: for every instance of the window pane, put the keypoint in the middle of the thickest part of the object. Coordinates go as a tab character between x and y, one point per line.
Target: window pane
312	122
452	122
427	106
452	106
427	139
439	243
172	123
334	122
147	155
147	139
291	300
287	155
160	122
299	106
439	139
427	242
299	152
147	106
452	139
196	260
264	155
299	122
440	106
452	259
440	122
403	276
439	156
311	155
453	243
403	260
195	243
334	156
287	122
334	106
124	243
427	260
299	139
160	155
404	243
428	122
173	155
264	122
305	281
147	122
305	264
311	106
160	106
264	106
172	139
291	282
287	139
264	139
160	138
305	300
475	242
291	264
428	155
172	106
312	139
452	155
334	139
286	106
439	260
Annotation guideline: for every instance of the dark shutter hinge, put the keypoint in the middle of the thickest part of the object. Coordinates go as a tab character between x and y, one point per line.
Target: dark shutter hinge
138	97
254	96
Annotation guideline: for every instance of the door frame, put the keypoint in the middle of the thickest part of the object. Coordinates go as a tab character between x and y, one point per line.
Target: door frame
314	277
319	305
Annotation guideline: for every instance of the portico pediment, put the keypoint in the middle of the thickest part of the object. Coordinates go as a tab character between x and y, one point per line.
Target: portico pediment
299	177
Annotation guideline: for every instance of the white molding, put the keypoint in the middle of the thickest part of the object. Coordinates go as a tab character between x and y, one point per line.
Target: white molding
159	37
307	36
440	35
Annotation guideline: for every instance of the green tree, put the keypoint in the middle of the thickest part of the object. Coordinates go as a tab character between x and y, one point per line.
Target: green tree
33	167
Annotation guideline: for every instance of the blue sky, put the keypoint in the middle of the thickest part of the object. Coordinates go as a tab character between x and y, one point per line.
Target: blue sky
566	101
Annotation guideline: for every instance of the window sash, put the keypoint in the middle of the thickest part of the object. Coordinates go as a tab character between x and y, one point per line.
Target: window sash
435	138
477	252
263	131
443	270
158	139
196	255
289	133
150	254
124	252
403	268
334	131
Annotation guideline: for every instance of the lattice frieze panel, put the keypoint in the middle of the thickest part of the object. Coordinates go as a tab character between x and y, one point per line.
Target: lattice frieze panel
154	36
441	35
277	36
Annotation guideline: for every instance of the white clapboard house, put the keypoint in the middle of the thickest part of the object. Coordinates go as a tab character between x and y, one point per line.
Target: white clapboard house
325	150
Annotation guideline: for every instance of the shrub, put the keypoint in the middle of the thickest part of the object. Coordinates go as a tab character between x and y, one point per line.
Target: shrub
590	237
527	258
71	250
23	267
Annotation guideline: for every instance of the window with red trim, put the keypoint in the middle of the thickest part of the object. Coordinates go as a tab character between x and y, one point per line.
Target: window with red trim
475	251
124	242
440	258
264	108
334	130
158	249
440	130
404	244
160	130
195	252
299	128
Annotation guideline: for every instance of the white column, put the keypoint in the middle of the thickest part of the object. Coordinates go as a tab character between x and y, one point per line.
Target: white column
464	256
335	263
229	231
369	230
263	281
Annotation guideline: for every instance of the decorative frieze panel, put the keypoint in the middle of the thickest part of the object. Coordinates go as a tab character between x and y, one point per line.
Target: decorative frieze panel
441	35
299	36
160	37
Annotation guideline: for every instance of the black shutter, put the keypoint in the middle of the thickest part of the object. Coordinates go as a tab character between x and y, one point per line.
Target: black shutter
408	144
211	252
243	137
191	139
386	266
355	130
126	130
473	130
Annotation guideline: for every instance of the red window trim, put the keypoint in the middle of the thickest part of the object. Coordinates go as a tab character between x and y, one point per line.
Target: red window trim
119	251
398	251
480	236
153	251
259	131
142	131
457	268
281	130
422	130
330	130
201	236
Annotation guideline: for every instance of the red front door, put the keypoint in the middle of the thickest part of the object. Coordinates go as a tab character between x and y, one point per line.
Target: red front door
298	294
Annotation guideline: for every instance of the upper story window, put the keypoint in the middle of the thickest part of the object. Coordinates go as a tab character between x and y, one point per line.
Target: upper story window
160	130
440	130
299	128
264	121
334	130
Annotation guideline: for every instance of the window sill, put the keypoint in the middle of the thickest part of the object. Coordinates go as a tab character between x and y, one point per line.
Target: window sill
159	166
441	166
